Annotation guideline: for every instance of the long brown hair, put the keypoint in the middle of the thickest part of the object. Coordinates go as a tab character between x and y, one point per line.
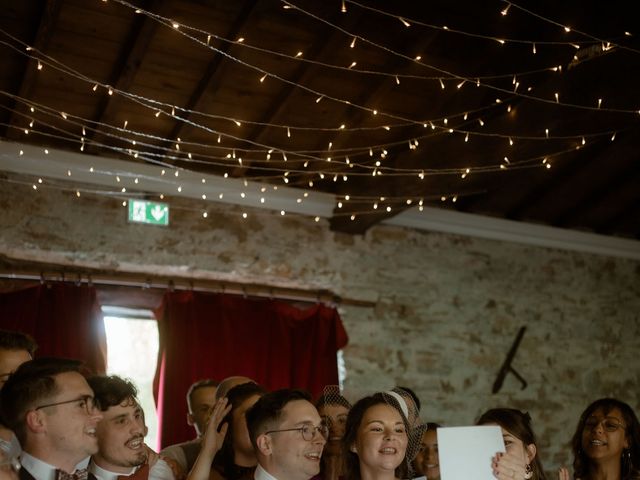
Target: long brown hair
518	424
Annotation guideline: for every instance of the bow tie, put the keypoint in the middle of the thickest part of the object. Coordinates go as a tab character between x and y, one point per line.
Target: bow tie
77	475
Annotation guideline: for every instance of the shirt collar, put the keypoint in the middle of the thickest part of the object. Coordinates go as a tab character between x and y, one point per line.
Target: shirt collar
41	470
262	474
103	474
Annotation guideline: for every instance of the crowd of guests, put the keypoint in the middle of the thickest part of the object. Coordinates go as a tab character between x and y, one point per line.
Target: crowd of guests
59	424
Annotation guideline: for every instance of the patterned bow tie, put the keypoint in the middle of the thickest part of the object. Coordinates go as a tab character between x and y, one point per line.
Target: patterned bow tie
77	475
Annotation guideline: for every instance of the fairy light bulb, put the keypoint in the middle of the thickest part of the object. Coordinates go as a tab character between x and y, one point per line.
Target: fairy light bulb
397	80
204	214
557	97
599	102
442	86
353	43
404	22
466	137
534	48
343	7
353	64
505	10
39	65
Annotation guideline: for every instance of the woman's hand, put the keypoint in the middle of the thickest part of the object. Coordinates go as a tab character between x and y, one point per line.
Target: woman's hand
563	473
508	466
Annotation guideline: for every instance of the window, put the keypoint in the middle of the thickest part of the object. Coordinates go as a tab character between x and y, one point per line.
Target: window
132	352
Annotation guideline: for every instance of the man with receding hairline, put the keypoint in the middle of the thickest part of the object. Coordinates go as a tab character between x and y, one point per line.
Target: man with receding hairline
200	400
50	407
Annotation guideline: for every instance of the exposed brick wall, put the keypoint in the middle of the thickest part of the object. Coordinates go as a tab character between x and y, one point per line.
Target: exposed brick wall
446	307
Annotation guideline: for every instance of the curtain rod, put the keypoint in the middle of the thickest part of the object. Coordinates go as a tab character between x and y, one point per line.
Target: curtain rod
118	279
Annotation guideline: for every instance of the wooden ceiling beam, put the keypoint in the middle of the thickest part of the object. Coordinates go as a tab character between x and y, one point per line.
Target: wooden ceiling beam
48	21
302	75
123	74
626	209
211	78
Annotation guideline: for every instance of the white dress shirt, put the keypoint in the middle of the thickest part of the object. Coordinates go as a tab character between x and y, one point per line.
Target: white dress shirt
160	471
262	474
42	470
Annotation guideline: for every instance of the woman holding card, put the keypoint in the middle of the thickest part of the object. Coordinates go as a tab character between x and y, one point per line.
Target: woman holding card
377	438
606	444
521	460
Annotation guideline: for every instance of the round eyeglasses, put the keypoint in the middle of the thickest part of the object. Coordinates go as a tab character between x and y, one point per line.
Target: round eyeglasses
308	431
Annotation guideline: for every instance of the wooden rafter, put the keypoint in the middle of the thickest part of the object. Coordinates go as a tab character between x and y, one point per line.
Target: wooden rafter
46	27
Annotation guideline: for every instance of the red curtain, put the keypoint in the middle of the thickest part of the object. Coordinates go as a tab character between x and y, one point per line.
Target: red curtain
65	320
215	336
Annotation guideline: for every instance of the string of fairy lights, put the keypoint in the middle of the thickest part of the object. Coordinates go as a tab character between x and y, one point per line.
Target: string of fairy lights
354	151
138	150
460	80
368	157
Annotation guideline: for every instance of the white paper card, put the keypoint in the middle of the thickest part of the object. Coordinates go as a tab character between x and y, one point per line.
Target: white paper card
465	452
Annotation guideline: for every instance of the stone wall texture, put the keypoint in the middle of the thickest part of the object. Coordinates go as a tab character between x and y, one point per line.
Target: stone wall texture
446	308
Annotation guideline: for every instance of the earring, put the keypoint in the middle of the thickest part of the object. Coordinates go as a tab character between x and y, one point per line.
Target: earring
528	471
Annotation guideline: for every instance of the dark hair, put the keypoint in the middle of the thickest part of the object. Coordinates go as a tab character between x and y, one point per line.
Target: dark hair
224	459
33	382
518	424
110	391
413	396
207	382
354	419
10	340
630	459
268	410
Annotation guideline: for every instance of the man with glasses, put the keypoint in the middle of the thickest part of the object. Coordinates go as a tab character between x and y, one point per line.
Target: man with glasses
49	405
121	432
288	435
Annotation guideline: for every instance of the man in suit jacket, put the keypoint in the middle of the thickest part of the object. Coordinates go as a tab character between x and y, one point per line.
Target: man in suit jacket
50	407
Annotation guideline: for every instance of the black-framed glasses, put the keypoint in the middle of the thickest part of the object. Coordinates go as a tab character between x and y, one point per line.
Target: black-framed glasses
86	401
308	431
608	424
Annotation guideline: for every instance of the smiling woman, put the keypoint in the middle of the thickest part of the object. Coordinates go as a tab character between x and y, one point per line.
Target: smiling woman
607	439
375	440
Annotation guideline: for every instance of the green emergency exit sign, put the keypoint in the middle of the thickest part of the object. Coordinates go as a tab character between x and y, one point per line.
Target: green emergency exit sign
151	213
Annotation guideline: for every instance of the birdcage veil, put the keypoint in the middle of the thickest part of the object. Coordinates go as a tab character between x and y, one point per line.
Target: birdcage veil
402	401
